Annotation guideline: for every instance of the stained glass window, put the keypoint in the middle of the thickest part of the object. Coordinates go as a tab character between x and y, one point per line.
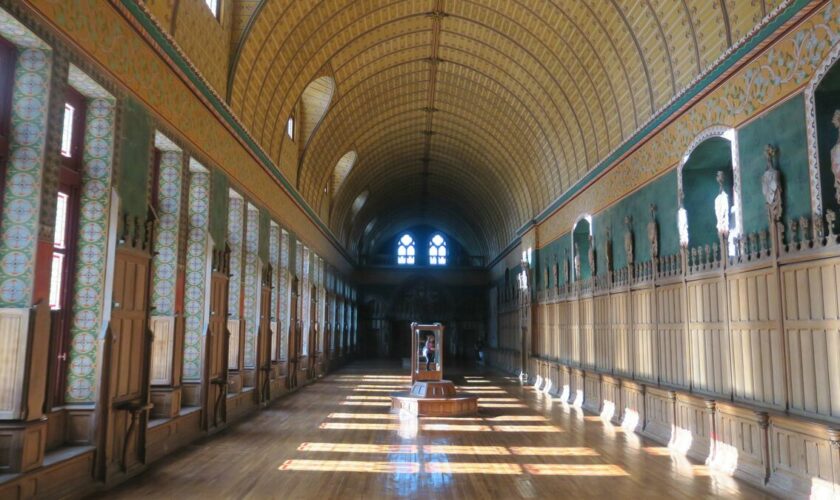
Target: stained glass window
405	250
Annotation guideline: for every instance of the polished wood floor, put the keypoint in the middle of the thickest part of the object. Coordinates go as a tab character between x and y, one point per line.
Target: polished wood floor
337	439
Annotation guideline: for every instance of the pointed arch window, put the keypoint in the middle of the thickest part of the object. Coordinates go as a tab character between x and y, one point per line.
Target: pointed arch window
406	251
437	251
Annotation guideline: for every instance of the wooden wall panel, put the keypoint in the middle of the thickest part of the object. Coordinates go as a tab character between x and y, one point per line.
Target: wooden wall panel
645	346
757	346
711	360
163	342
603	336
620	331
14	326
564	315
672	350
575	333
587	332
812	328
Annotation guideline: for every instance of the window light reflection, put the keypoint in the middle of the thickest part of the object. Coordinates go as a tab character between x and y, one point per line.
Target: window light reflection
364	416
351	466
574	470
359	448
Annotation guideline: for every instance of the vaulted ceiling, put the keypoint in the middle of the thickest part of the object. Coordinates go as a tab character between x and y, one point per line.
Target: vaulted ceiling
470	115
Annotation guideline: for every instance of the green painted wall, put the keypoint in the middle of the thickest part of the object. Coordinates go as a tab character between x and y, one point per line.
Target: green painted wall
783	126
663	193
135	159
218	208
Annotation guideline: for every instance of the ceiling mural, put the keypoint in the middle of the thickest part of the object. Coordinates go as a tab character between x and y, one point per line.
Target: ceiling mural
471	114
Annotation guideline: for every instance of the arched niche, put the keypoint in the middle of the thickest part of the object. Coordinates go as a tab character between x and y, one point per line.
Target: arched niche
709	167
315	101
822	100
342	170
582	235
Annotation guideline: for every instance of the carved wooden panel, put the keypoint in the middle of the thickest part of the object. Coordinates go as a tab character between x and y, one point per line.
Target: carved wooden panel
673	345
800	458
603	337
587	332
812	328
693	432
14	325
163	331
645	346
233	326
575	330
620	329
553	333
711	360
592	392
659	414
757	348
739	442
125	368
632	406
566	333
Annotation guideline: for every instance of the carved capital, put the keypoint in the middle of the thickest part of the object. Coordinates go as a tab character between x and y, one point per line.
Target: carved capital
763	419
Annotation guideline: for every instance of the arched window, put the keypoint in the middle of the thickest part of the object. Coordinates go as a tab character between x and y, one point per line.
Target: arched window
437	251
405	250
290	127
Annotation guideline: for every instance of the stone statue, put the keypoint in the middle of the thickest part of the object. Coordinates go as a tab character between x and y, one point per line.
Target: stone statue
546	283
556	271
682	221
835	156
591	256
628	239
771	183
577	261
608	250
722	206
653	235
565	266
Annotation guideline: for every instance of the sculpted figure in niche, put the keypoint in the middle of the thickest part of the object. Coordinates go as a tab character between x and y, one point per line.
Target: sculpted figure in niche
546	283
722	206
565	266
608	250
577	262
555	271
771	183
628	239
653	235
591	255
835	156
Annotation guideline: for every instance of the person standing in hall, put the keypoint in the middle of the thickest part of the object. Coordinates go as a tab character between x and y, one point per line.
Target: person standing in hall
429	351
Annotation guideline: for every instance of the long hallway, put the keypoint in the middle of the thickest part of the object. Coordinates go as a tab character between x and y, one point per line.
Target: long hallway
337	439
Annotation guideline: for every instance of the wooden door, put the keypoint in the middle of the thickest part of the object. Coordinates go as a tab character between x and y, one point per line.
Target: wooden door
263	382
126	357
294	335
216	345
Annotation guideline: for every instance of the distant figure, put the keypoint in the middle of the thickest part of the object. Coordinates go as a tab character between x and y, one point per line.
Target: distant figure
429	351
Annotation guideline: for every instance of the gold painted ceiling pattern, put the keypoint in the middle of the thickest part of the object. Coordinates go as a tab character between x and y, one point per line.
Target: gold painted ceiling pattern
471	115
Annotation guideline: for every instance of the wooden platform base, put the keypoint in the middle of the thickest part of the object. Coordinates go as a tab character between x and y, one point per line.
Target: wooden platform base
434	398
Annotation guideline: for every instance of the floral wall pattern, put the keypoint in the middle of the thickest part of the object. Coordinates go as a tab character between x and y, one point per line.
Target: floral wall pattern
93	236
236	216
24	176
196	273
165	265
251	303
274	260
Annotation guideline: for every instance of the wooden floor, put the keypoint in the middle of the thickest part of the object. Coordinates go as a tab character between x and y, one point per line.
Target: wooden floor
337	439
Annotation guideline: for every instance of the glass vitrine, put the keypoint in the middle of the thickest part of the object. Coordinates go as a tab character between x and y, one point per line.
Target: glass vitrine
427	352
